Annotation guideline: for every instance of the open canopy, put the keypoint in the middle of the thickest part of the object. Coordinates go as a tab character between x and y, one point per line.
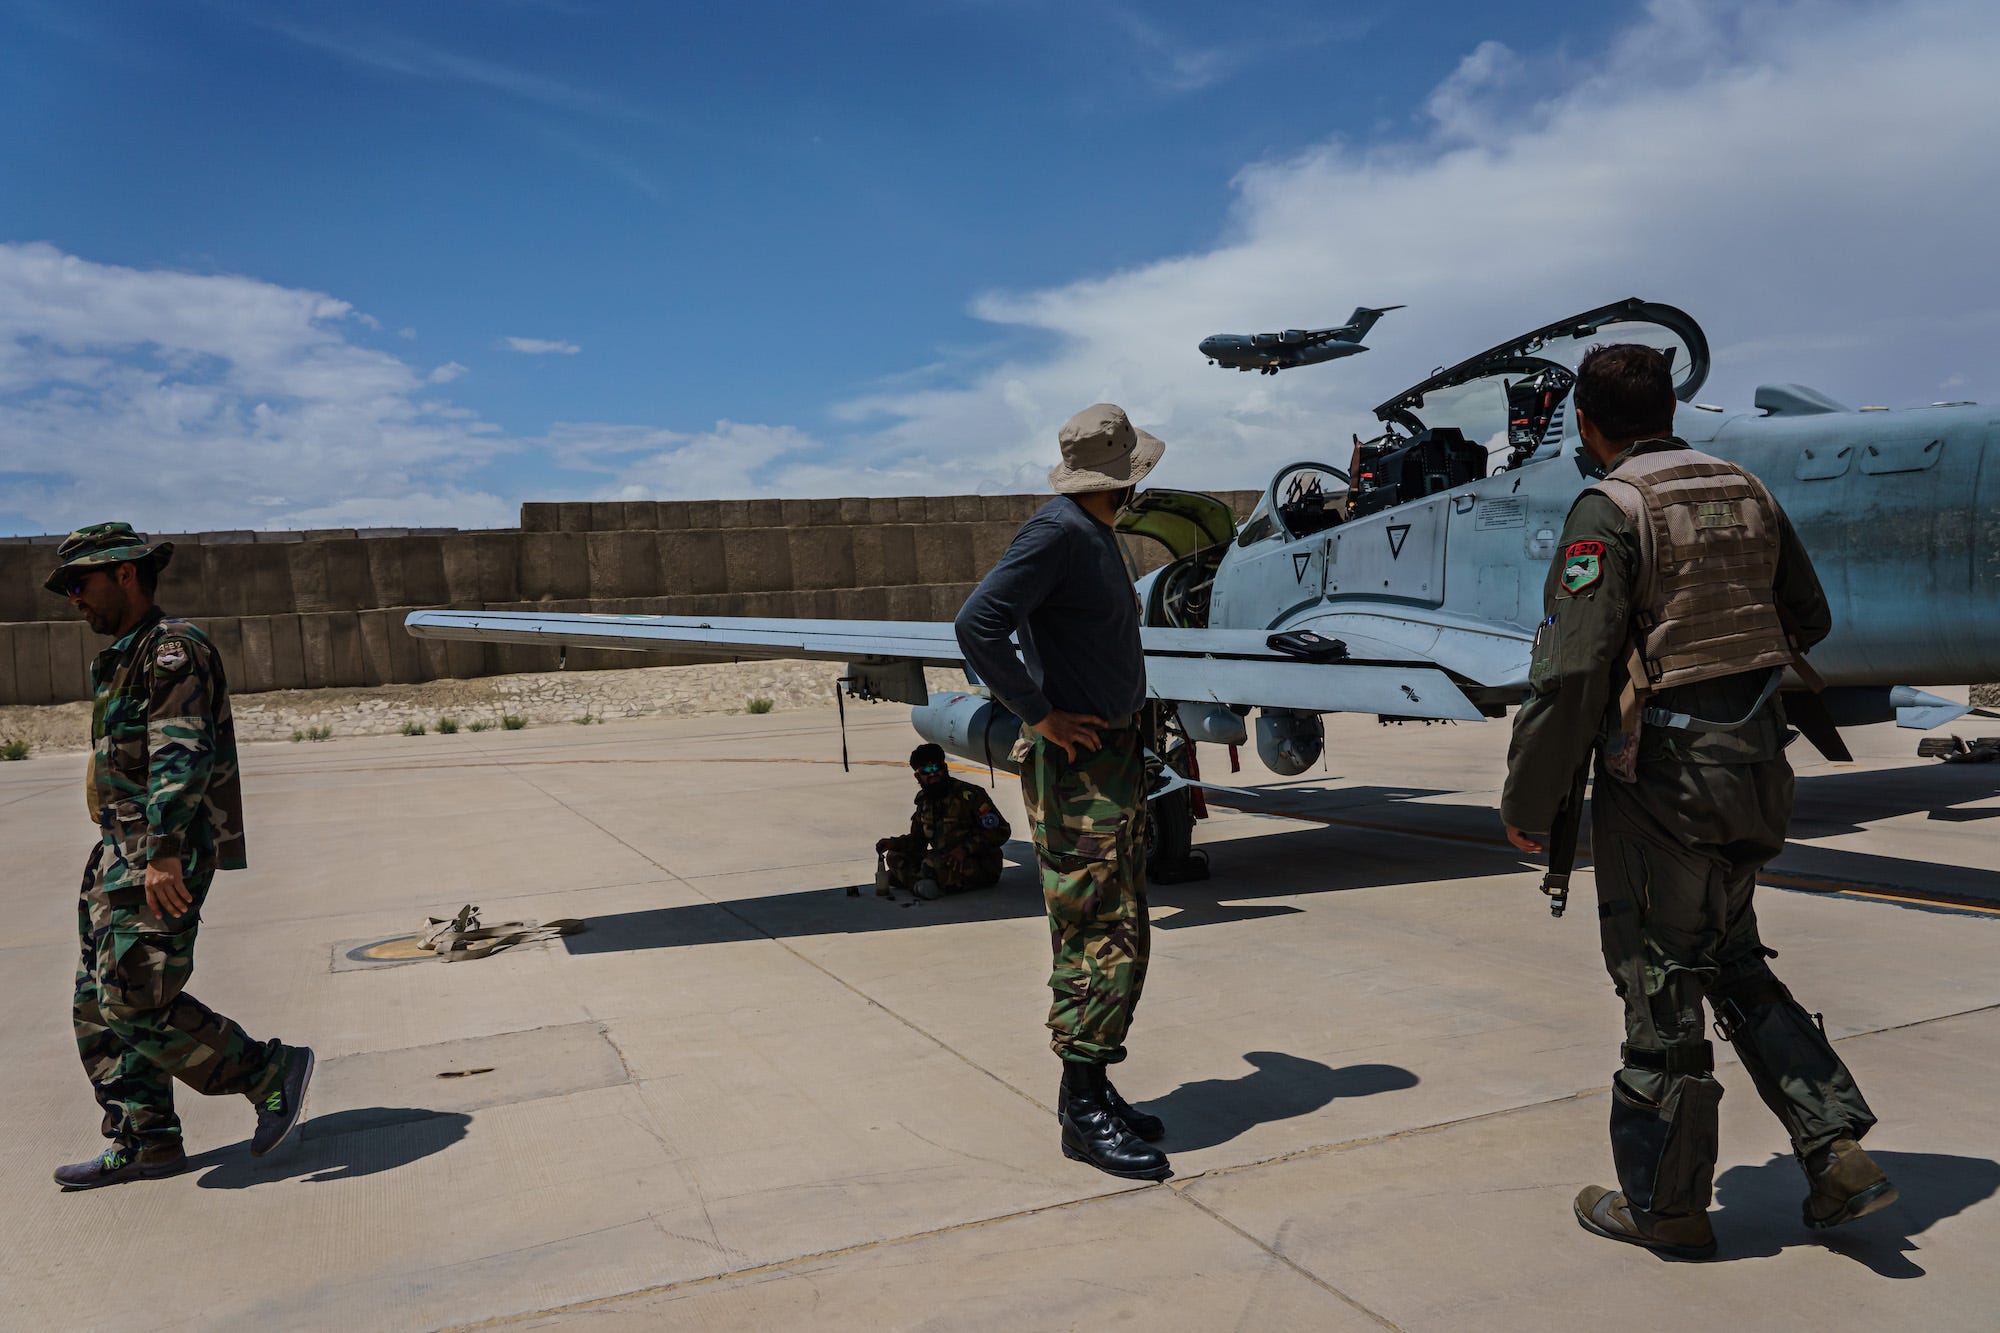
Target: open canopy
1514	393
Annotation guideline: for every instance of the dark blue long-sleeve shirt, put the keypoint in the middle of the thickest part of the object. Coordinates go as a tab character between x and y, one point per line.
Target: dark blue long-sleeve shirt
1063	588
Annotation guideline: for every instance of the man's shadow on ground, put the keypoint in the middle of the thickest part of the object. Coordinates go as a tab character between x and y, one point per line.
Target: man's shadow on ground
1761	1208
1216	1110
341	1146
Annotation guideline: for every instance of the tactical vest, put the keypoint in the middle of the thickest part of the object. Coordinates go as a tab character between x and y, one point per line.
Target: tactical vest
1708	557
1702	605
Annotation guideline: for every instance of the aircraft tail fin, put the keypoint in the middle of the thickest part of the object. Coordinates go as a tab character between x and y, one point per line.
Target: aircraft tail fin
1363	319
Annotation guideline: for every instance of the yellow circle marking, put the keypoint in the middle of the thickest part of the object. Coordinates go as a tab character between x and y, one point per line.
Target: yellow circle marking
402	949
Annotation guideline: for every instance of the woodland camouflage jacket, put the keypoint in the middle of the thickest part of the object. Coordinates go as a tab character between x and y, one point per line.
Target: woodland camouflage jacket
957	814
163	779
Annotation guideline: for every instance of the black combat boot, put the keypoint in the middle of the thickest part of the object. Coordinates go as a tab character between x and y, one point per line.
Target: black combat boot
1146	1125
1093	1133
1845	1183
116	1165
283	1105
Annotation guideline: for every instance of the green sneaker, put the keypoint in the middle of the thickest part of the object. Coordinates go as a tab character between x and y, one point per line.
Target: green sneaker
283	1107
116	1165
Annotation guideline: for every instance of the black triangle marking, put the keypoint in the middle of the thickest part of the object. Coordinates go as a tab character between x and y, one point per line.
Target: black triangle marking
1300	559
1398	534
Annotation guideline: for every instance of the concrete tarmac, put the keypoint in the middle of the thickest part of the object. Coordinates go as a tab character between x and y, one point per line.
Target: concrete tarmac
745	1099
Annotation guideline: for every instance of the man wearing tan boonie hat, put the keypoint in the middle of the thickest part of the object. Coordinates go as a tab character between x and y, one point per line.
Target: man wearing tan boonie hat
1062	588
1102	451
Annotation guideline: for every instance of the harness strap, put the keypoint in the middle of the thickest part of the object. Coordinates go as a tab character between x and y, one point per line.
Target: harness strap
1693	1058
1663	717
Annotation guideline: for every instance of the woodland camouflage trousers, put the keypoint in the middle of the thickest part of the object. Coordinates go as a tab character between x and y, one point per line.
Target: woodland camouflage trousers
1089	827
135	1030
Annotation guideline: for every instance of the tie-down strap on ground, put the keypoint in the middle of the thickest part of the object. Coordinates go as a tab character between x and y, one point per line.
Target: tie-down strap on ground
457	938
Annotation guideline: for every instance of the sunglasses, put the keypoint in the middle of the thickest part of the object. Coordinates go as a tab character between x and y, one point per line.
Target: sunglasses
931	768
74	584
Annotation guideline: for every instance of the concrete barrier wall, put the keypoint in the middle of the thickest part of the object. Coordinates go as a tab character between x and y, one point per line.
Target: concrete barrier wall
311	610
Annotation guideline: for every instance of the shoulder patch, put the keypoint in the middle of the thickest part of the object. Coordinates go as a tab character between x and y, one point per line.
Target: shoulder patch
171	655
989	818
1583	566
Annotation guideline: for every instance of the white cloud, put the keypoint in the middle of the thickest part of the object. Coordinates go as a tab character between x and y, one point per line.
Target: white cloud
1461	106
447	372
1172	65
540	346
1812	181
185	401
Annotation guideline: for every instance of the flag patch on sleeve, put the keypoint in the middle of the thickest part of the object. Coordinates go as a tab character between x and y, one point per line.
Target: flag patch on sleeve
1583	566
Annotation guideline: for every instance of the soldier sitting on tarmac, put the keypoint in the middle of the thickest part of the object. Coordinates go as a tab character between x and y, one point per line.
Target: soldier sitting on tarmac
955	836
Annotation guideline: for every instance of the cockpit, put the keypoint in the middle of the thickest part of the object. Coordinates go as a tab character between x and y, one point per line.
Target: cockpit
1302	499
1508	406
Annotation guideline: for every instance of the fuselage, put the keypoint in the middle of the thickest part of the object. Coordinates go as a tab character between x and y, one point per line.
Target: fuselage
1272	351
1900	512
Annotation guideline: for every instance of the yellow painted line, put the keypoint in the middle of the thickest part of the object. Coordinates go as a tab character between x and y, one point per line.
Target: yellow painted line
1809	884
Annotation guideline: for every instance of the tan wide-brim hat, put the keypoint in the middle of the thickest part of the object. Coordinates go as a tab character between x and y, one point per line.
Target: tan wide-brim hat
1103	451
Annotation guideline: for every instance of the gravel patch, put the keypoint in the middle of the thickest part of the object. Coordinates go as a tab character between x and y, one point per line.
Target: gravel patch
542	698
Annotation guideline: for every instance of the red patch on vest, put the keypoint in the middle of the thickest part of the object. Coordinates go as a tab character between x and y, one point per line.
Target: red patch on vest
1583	548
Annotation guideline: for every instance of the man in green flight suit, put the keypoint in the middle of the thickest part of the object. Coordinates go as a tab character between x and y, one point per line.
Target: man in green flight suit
164	792
1679	597
955	836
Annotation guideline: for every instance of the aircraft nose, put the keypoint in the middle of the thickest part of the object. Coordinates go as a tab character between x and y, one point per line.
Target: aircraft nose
1209	344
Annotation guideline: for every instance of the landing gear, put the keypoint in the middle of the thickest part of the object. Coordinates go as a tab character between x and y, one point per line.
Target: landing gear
1171	857
1952	750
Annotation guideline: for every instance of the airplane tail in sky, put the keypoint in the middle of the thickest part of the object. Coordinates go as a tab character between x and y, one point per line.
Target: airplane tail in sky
1363	319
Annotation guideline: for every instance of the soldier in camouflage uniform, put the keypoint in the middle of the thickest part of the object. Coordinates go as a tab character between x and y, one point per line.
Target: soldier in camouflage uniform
1063	589
1680	596
164	793
955	835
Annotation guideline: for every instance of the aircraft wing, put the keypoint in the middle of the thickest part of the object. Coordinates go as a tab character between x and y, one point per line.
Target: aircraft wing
1212	666
929	642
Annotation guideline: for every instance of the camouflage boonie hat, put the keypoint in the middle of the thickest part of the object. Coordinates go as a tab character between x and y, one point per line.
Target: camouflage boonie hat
103	544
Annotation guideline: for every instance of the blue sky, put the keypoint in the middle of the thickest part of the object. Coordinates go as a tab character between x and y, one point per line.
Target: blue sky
274	255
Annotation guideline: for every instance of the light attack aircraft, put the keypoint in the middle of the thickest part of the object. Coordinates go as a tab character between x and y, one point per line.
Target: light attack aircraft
1408	584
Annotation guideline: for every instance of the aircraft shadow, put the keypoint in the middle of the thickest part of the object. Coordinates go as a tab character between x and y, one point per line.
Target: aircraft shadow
1292	860
1761	1209
1827	804
1279	1087
343	1146
1845	801
1366	847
